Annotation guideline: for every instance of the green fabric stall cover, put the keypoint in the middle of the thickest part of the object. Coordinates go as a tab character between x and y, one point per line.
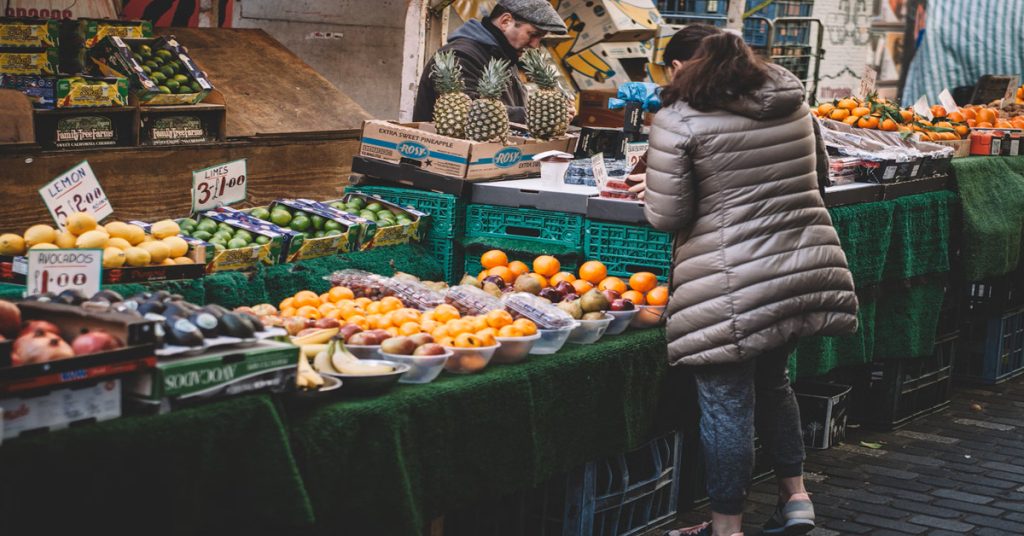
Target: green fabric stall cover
233	289
390	464
865	232
481	243
818	355
993	207
907	318
920	236
191	289
224	467
11	292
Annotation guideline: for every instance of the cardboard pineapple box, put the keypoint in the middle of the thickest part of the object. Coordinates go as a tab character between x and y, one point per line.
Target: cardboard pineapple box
597	21
607	65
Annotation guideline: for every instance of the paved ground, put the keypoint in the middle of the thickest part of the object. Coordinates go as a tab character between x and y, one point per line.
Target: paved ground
957	472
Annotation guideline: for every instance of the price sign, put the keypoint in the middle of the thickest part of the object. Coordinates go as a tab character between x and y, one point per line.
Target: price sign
921	107
946	98
867	81
634	153
57	270
1011	91
218	185
77	190
600	172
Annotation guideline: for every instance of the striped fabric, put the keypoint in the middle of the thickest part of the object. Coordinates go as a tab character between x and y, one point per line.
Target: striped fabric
963	40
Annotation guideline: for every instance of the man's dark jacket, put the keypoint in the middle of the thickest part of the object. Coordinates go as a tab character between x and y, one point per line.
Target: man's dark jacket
475	43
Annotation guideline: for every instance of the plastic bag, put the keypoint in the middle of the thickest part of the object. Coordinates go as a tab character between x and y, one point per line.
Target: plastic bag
646	93
470	300
541	311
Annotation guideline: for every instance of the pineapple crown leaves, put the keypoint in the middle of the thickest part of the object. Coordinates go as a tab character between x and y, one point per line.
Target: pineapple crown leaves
447	73
538	70
494	79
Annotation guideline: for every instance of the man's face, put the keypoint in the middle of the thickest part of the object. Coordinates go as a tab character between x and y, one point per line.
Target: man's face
520	35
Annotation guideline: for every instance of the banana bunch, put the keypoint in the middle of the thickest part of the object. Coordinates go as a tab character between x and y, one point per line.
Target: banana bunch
307	378
336	359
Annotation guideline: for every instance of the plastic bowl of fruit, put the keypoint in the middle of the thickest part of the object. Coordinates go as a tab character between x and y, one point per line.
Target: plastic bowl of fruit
514	349
469	360
590	331
371	383
422	368
552	340
648	316
620	321
365	352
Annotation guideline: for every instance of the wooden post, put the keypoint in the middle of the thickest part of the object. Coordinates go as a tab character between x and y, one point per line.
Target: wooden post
416	21
735	15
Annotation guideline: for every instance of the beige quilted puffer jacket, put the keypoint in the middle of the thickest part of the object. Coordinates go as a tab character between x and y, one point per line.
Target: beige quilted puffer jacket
755	261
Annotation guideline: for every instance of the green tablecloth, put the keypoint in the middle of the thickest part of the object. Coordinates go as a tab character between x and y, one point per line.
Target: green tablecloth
992	192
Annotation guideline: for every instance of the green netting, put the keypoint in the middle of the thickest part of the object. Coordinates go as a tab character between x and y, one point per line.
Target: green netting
865	232
920	236
191	289
480	243
906	319
388	465
818	355
232	289
993	215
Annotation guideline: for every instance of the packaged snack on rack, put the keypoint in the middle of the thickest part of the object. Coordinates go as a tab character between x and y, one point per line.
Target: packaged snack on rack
470	300
617	188
412	293
541	311
843	169
363	284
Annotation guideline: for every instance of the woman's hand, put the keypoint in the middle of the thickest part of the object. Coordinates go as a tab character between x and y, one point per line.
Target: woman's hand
641	186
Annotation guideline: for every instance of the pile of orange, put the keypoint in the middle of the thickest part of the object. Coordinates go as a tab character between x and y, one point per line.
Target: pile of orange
880	114
449	328
987	117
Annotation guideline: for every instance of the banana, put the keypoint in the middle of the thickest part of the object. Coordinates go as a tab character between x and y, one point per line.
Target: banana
317	337
310	350
307	378
344	362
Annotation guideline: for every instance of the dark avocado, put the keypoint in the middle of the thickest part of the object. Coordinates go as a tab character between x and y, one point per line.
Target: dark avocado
235	326
207	323
181	332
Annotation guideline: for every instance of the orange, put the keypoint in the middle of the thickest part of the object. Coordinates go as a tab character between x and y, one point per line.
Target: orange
429	315
445	341
525	325
445	313
510	331
593	271
499	318
337	294
323	298
867	121
459	326
972	123
852	120
561	276
307	297
907	115
956	116
543	281
493	259
888	125
643	281
477	323
658	296
290	311
468	340
409	328
1002	123
518	268
582	286
969	113
503	272
374	308
390	303
404	315
376	321
839	114
363	301
634	296
983	124
359	320
987	115
326	308
487	336
440	332
287	303
962	130
428	326
308	311
825	108
848	104
938	111
861	111
612	283
546	265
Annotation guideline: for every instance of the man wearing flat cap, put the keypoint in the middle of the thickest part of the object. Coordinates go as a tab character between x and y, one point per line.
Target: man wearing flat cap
512	27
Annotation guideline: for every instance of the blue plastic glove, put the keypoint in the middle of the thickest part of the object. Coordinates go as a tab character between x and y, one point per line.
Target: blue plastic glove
646	93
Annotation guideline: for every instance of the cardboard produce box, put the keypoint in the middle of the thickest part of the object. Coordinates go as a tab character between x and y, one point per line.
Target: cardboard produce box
418	145
352	230
62	91
90	32
151	79
30	33
279	244
94	401
392	234
37	61
266	365
607	65
610	20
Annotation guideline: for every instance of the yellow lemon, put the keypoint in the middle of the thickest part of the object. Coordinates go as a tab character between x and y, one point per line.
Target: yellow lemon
135	235
158	251
79	223
44	245
136	256
38	234
165	228
118	229
183	260
92	240
168	262
66	240
119	243
178	245
114	258
11	244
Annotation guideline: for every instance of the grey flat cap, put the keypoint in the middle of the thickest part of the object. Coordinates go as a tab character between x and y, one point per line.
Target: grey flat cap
538	13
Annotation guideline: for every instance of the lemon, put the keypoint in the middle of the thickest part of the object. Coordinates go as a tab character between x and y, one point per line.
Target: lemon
80	223
119	243
66	240
38	234
11	244
113	258
164	228
136	256
168	262
44	245
148	238
118	229
135	235
178	245
158	251
183	260
92	240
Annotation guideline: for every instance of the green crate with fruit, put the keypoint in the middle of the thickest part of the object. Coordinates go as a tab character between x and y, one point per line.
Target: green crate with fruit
325	232
159	70
238	243
395	224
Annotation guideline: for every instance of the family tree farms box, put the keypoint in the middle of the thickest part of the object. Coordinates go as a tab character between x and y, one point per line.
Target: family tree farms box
419	145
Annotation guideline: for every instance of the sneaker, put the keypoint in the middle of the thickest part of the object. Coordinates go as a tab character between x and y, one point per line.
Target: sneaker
794	518
704	529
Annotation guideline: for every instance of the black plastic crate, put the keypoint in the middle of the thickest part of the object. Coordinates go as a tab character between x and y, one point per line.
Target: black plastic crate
996	294
823	412
992	349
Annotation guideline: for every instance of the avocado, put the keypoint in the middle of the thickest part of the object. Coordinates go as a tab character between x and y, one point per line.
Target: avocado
181	332
207	323
234	326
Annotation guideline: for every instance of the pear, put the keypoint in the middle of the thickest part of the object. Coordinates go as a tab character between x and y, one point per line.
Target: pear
471	281
594	301
573	308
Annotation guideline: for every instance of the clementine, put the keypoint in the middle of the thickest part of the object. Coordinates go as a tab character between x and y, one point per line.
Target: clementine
546	265
643	281
657	296
493	259
582	286
306	297
540	279
503	272
593	271
634	296
561	276
518	268
612	283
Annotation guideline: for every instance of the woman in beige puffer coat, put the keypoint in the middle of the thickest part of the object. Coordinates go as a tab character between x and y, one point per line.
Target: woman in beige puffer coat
756	264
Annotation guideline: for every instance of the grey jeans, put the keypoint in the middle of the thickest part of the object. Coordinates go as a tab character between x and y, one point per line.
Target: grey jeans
727	394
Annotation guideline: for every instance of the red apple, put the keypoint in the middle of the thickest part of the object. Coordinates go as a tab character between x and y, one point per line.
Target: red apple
611	295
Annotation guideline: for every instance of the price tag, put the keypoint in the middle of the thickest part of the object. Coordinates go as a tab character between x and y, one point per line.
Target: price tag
1011	91
867	81
57	270
946	98
218	185
600	172
921	107
77	190
634	152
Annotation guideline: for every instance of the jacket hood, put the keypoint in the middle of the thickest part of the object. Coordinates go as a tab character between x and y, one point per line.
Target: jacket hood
781	94
474	29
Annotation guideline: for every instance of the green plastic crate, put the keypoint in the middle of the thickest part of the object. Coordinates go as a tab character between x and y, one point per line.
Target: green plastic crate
447	212
539	226
449	253
627	249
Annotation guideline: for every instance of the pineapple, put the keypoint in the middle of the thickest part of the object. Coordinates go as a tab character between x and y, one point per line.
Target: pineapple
452	106
547	114
488	118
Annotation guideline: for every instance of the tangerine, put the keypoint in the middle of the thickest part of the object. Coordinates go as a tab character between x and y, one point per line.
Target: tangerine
540	279
308	311
526	326
969	113
987	115
825	108
634	296
510	331
409	328
487	336
839	114
593	271
326	308
852	120
358	320
493	259
306	297
847	104
390	303
612	283
907	115
861	111
888	125
503	272
336	294
643	281
468	340
499	318
938	111
518	268
561	276
956	116
445	313
582	286
546	265
657	296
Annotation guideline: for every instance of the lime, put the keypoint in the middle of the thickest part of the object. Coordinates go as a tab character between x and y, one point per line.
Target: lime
280	217
206	224
157	76
217	240
300	223
167	70
138	57
151	64
182	79
145	50
182	90
237	243
164	89
244	235
262	240
189	222
338	205
368	214
176	65
163	53
202	235
196	87
261	213
225	227
171	84
219	247
146	69
375	206
185	232
317	221
356	202
223	236
332	233
331	225
318	234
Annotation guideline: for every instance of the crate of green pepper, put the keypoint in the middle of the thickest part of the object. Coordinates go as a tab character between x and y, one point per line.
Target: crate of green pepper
395	224
160	70
238	241
325	232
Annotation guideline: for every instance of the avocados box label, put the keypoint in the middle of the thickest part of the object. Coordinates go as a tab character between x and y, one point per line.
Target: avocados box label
392	234
92	31
419	145
222	372
40	61
29	32
151	78
181	129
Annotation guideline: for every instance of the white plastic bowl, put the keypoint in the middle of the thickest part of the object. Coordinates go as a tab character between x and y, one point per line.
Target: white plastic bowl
365	352
423	368
514	349
469	360
590	331
552	340
649	316
620	321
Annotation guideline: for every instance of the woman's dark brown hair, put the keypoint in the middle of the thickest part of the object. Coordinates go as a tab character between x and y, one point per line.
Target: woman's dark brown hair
684	44
723	69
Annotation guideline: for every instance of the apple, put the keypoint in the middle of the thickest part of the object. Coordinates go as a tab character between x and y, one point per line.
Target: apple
421	338
325	323
430	348
565	287
362	338
611	295
499	282
572	296
398	346
552	295
622	305
348	330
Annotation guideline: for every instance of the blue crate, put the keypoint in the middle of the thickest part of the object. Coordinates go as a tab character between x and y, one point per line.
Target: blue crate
447	212
627	249
693	7
782	8
993	349
538	226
